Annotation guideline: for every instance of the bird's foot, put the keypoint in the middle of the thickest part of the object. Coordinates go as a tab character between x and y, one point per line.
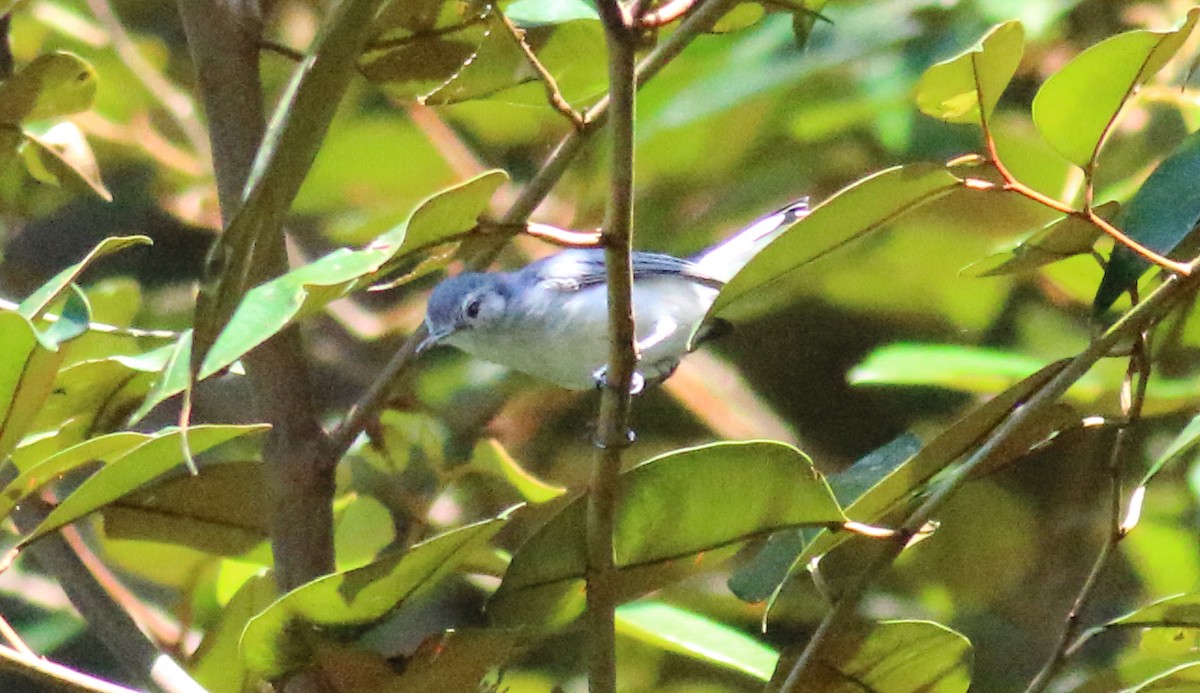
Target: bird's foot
637	383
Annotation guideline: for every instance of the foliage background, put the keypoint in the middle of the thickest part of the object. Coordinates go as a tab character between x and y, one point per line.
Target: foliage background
742	122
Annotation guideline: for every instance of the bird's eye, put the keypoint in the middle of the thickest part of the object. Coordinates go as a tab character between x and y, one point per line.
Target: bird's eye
472	308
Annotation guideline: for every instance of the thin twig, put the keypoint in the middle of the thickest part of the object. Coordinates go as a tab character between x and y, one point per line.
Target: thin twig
665	13
14	638
116	629
536	190
53	674
1133	399
174	101
1139	318
613	433
557	100
1011	184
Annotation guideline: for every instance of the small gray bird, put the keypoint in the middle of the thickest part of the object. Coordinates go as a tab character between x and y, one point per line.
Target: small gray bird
550	318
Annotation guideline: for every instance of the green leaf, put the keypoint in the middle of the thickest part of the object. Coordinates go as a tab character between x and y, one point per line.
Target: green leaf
357	596
1160	216
953	89
531	13
895	657
1076	108
910	477
53	85
1060	239
63	157
865	206
494	65
27	371
694	636
760	486
293	137
452	662
270	307
101	450
1183	444
218	511
134	469
1180	679
489	456
761	576
217	664
39	301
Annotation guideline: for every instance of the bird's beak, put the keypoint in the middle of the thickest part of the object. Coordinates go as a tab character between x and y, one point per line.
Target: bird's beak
430	341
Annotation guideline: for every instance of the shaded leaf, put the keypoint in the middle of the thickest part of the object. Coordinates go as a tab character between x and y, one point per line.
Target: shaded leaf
1161	214
1058	240
1183	444
39	301
63	157
219	511
761	487
497	63
762	575
132	470
449	662
101	450
911	476
894	657
357	596
867	205
54	84
953	89
1075	109
694	636
489	456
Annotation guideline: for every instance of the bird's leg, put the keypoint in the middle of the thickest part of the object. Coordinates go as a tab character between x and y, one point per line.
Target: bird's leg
637	383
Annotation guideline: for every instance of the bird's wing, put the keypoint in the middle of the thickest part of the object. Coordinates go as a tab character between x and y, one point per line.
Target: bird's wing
575	269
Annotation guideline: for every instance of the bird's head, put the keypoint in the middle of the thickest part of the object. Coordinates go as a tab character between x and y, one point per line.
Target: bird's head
463	304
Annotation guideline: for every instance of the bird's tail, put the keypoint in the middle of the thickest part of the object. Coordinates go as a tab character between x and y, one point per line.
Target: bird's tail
724	259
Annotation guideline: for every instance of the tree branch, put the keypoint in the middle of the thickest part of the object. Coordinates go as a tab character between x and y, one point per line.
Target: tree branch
613	433
536	190
1136	320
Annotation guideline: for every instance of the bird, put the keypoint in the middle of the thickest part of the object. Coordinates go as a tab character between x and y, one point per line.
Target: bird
549	319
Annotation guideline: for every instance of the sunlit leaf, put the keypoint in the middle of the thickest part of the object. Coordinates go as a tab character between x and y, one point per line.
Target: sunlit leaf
217	663
289	147
760	486
529	13
1180	679
1075	109
953	89
132	470
54	84
27	372
867	205
357	596
270	307
687	633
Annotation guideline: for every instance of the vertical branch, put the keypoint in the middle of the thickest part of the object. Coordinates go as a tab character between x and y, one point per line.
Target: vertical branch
1133	397
612	435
